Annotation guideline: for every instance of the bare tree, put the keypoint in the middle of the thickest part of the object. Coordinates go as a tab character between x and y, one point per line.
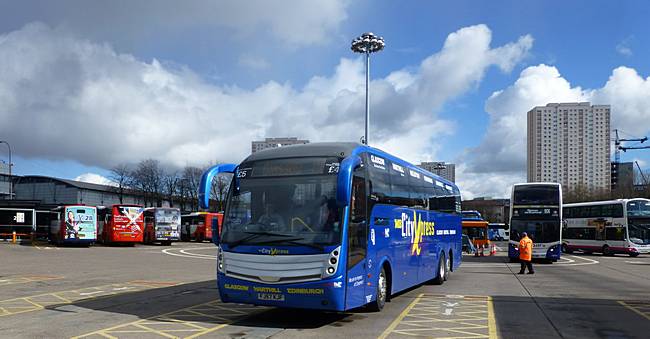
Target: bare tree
121	176
148	179
171	185
191	179
219	190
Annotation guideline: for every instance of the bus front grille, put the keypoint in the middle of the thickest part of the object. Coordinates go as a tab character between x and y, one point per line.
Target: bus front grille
278	269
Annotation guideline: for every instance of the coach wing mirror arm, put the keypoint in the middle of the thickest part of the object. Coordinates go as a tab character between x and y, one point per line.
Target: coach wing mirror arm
344	179
206	182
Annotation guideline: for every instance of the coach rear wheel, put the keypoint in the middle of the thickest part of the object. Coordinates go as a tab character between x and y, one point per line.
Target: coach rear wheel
634	255
447	267
382	292
566	249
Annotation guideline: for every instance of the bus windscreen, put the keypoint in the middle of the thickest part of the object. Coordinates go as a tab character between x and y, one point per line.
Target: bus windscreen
536	194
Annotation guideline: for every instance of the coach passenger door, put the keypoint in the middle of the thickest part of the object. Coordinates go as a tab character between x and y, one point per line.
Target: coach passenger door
357	241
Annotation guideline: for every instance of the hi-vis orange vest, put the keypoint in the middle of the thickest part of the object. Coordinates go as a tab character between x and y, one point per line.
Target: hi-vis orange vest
526	249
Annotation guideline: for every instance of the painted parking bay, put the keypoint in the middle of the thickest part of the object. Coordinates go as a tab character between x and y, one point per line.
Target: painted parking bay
445	316
23	279
190	322
39	302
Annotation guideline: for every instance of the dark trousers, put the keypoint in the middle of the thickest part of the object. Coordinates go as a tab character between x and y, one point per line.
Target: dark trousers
525	264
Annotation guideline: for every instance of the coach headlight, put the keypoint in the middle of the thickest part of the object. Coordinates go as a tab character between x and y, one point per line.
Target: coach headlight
330	267
220	266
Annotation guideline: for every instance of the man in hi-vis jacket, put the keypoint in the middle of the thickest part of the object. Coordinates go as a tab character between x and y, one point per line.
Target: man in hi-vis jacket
526	254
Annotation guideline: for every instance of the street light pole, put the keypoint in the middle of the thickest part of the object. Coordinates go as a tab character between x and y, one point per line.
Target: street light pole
367	43
11	182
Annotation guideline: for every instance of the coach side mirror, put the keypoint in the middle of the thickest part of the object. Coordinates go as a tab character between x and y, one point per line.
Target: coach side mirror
206	182
344	179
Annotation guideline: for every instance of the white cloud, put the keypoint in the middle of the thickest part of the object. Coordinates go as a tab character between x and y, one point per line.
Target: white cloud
501	156
623	48
293	22
94	178
253	62
66	98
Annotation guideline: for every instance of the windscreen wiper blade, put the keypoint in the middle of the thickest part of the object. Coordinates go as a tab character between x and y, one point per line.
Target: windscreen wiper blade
255	234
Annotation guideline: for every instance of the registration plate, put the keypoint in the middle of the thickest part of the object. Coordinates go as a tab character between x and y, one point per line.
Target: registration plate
270	296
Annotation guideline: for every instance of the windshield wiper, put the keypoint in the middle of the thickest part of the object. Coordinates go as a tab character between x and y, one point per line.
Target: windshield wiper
256	234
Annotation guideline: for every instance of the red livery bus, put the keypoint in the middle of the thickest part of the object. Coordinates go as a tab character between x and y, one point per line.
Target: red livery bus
162	224
73	224
120	224
199	225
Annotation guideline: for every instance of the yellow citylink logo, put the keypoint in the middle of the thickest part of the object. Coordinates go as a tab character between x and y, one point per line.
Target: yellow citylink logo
273	251
415	228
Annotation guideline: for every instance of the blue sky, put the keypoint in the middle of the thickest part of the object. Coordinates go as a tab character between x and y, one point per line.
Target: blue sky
195	84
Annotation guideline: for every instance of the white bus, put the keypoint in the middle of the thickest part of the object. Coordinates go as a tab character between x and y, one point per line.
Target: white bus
608	227
536	208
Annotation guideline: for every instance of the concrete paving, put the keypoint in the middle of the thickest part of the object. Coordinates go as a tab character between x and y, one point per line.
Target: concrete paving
163	292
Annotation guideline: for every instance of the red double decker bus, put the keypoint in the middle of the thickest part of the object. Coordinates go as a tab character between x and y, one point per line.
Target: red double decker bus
120	224
198	226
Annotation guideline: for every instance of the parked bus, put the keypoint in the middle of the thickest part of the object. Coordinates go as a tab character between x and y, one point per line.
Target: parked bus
73	224
498	231
199	226
607	227
44	218
475	228
536	208
332	226
120	224
15	219
162	224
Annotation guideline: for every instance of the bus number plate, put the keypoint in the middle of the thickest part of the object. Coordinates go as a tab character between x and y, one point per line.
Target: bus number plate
270	296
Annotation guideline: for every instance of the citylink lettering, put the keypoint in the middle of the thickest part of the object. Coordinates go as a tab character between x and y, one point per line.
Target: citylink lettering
273	251
415	228
305	291
235	287
266	289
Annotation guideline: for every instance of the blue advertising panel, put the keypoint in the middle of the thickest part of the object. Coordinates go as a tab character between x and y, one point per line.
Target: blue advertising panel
80	223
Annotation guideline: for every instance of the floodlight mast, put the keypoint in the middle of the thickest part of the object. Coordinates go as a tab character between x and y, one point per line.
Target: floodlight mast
367	43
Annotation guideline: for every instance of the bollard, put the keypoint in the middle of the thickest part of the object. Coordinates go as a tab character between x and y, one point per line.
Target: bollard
13	237
482	248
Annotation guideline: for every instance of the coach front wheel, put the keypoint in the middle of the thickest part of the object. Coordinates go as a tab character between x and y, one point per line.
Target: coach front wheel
382	292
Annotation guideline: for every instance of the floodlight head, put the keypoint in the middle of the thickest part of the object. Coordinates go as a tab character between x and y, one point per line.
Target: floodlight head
368	43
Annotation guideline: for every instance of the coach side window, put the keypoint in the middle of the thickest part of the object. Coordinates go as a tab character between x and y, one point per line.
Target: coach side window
358	226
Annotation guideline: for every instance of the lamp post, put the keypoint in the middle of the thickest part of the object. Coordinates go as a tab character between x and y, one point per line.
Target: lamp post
11	182
367	43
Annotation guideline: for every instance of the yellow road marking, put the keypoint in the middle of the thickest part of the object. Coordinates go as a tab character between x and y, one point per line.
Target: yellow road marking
27	279
645	306
190	320
492	323
446	316
400	317
41	301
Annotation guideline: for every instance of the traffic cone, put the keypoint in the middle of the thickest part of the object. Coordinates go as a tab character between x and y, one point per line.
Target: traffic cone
493	249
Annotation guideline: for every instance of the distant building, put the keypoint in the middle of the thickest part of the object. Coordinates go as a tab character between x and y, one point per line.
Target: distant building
447	171
492	210
4	180
569	143
257	146
623	176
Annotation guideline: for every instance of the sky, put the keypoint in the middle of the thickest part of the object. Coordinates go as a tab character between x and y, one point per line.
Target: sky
87	85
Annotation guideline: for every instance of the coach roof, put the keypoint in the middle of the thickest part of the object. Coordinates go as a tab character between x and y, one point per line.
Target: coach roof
321	149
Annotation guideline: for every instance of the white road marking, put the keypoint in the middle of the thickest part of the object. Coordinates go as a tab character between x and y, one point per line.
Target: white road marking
448	311
188	255
564	261
90	293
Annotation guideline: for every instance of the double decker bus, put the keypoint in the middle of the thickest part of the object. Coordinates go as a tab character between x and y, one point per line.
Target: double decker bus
199	226
73	224
162	224
536	208
607	227
332	226
475	228
120	224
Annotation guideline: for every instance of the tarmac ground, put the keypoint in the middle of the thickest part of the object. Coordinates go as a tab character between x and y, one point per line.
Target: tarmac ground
150	291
